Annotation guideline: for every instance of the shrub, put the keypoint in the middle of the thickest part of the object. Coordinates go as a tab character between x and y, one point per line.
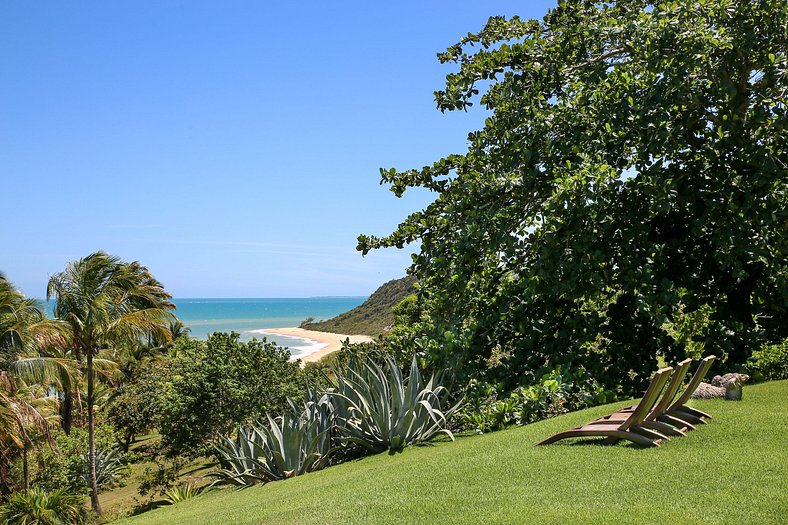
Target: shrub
553	395
135	407
770	362
160	477
181	493
39	507
110	467
374	407
223	383
51	472
378	408
293	445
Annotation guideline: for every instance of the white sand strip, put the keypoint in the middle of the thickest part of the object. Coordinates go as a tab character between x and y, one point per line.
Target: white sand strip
329	342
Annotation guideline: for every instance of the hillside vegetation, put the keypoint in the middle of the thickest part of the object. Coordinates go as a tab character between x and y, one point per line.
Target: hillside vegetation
373	316
732	470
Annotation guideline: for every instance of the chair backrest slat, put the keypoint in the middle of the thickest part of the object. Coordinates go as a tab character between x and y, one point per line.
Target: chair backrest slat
676	381
700	373
649	398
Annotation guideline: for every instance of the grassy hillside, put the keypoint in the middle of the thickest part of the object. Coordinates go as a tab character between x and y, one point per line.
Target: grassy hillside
373	315
120	500
733	470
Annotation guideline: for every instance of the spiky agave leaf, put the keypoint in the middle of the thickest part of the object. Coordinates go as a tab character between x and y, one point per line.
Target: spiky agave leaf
378	408
109	467
290	445
181	493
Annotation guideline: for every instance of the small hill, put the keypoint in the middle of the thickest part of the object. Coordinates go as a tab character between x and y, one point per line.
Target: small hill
371	317
732	470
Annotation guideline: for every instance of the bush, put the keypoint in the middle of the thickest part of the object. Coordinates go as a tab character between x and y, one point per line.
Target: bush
161	476
110	468
68	471
220	384
39	507
485	411
181	493
770	362
135	407
290	446
379	408
374	407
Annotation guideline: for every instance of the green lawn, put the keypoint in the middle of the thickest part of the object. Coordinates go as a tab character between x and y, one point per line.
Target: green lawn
734	470
121	500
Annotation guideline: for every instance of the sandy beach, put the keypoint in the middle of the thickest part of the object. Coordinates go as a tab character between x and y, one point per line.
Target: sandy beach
332	341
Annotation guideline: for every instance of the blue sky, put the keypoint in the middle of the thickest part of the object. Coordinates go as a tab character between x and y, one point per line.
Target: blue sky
232	147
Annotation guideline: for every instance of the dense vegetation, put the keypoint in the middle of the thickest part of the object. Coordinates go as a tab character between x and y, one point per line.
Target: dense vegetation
77	390
625	204
626	200
114	364
503	478
218	384
372	317
373	407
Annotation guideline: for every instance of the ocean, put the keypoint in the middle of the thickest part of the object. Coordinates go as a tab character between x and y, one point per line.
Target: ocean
250	317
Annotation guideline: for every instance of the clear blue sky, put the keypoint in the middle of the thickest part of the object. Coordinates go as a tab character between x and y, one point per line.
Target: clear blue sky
232	147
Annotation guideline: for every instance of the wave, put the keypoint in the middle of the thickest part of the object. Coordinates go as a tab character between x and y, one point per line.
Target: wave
297	351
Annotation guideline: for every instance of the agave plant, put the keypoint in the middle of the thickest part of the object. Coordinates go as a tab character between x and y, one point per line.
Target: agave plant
180	493
377	408
44	508
109	467
288	446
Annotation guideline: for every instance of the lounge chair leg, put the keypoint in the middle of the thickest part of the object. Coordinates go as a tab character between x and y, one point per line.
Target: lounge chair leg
611	437
676	422
557	437
650	434
638	438
686	416
663	428
695	412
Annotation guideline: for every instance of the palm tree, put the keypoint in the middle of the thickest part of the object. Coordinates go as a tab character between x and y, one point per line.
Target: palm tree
71	378
106	301
25	410
22	414
23	325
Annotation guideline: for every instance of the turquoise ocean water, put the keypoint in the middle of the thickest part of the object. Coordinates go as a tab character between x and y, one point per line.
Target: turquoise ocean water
250	317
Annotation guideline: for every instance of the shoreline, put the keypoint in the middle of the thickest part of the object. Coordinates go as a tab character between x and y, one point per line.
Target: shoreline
330	341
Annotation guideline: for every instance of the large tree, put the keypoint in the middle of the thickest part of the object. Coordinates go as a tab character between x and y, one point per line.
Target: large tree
632	171
105	302
218	384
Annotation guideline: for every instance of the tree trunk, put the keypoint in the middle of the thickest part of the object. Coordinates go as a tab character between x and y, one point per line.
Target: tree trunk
5	471
25	472
66	409
94	500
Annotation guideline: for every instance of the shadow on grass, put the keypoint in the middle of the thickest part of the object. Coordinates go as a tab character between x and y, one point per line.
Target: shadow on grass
193	469
599	442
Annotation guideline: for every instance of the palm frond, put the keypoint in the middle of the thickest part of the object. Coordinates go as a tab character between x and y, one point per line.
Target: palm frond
64	373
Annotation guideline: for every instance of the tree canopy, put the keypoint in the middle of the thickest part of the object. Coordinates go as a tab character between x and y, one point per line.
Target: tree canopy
632	171
218	384
105	302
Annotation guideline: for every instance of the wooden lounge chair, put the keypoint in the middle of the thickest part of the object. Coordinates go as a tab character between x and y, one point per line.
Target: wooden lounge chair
630	428
668	411
668	425
678	409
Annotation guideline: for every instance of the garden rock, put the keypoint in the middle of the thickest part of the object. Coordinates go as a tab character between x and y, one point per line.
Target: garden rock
728	386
